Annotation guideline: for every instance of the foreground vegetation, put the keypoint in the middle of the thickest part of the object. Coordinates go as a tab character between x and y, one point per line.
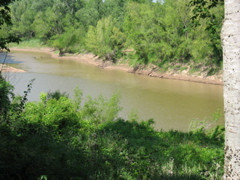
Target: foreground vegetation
63	138
141	32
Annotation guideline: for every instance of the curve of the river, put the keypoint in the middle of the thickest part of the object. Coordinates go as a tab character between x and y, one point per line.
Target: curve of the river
172	104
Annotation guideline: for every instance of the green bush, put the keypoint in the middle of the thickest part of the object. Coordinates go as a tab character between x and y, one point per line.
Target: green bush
63	138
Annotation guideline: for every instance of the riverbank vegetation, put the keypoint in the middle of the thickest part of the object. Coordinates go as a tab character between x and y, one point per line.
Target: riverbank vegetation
63	138
138	32
74	138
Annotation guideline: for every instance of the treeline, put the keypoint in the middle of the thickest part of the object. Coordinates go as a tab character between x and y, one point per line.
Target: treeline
139	31
62	138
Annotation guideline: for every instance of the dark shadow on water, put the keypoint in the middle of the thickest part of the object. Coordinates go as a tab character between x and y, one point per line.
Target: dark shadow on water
8	58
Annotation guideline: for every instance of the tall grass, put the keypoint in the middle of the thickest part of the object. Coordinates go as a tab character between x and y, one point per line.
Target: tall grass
28	43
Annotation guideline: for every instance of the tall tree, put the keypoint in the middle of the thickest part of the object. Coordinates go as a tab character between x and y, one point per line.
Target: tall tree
231	59
105	40
210	13
231	77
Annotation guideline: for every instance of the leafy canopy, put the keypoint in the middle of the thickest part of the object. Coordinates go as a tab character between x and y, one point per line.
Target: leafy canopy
5	18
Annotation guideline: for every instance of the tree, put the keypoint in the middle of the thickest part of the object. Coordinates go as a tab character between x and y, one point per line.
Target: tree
22	16
67	40
105	40
6	90
231	77
5	18
231	59
160	33
5	12
211	14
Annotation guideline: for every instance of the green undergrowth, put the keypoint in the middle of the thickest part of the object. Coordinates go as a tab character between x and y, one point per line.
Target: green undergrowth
190	69
63	138
28	43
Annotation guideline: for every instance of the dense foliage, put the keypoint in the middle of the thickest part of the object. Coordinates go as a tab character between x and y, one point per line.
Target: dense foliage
5	18
62	138
139	31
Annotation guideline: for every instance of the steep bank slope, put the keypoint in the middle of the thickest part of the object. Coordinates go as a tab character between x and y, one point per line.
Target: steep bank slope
174	72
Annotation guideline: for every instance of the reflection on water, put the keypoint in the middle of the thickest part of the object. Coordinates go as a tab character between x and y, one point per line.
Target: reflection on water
172	104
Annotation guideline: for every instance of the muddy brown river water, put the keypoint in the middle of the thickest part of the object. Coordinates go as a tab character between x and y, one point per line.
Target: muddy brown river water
172	104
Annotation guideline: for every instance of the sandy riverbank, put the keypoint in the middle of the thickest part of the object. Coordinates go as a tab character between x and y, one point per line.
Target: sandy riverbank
200	77
7	68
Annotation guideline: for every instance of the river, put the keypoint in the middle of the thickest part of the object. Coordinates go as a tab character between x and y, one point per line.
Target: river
172	104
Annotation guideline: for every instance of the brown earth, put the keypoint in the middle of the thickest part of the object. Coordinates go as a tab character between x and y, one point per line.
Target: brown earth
89	58
7	68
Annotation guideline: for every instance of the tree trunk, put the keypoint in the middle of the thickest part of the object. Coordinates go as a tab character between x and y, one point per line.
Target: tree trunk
231	77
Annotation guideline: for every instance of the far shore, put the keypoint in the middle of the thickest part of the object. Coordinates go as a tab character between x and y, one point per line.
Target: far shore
94	60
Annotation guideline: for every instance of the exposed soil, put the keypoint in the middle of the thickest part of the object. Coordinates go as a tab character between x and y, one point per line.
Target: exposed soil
184	75
7	68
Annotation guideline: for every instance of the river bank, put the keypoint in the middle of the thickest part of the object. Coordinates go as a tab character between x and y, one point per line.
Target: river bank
7	67
176	74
